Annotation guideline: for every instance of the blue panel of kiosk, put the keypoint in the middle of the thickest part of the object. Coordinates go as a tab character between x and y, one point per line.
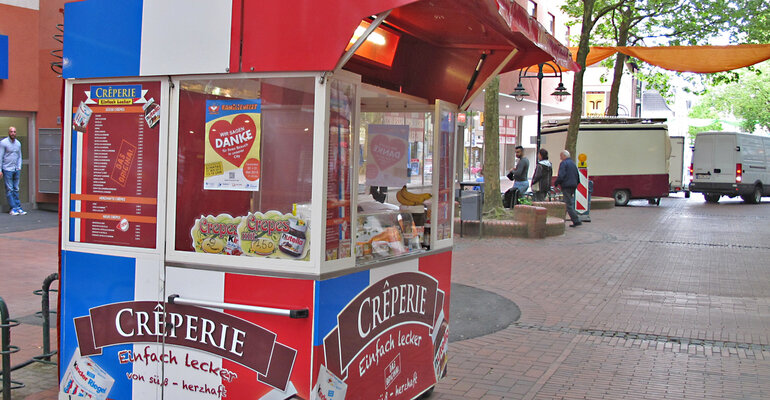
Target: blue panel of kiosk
91	280
102	38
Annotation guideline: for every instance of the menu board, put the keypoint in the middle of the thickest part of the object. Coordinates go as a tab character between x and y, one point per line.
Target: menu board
114	163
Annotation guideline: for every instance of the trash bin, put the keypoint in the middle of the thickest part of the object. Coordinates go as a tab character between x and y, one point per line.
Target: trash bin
470	205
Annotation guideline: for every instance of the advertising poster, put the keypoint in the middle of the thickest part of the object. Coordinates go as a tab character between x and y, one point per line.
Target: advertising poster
116	344
383	334
114	163
387	158
231	160
270	235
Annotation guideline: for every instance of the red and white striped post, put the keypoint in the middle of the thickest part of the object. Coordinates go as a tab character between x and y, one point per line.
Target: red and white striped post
582	205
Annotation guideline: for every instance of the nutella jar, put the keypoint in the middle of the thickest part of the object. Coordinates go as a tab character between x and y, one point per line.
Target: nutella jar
151	112
293	241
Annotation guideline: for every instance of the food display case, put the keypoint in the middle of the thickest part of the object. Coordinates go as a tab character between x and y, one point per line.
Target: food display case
237	228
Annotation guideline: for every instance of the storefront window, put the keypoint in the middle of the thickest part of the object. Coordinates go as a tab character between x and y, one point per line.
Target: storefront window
339	182
245	150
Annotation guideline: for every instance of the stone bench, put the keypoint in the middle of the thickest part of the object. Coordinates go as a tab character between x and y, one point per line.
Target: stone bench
555	209
528	222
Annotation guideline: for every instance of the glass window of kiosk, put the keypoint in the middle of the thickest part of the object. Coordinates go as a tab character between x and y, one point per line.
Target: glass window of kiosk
395	175
244	166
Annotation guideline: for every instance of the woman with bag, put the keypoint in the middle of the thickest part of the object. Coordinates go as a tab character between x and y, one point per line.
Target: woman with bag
541	179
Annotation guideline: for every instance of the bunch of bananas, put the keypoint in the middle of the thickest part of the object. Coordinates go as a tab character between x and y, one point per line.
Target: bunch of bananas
408	198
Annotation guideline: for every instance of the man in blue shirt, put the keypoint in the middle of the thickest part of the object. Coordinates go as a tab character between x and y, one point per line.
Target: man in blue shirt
10	170
568	180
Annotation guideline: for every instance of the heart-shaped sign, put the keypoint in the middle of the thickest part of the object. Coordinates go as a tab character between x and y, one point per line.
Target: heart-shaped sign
387	150
233	140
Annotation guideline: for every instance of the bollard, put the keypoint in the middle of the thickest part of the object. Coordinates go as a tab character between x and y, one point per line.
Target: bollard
6	350
45	313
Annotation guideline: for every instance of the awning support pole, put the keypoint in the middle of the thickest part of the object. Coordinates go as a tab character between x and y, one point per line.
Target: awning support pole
349	54
474	76
464	106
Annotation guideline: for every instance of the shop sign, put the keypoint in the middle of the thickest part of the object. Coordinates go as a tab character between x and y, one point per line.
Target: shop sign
391	339
197	328
271	235
595	104
232	145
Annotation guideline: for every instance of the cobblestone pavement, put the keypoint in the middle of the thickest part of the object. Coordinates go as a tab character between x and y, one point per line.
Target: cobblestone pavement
645	302
27	258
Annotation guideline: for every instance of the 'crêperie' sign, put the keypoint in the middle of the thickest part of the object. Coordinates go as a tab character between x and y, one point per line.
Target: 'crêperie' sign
405	298
200	328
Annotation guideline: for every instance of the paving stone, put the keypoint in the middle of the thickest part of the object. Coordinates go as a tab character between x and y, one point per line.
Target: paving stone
665	274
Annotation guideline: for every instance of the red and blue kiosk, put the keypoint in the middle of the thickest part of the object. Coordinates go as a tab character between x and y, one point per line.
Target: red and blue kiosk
220	238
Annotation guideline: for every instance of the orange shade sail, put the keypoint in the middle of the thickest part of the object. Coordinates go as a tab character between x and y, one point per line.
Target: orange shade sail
700	59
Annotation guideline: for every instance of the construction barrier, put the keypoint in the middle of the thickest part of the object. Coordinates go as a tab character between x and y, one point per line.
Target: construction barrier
582	194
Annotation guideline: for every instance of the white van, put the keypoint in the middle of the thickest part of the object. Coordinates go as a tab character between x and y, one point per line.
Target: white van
731	164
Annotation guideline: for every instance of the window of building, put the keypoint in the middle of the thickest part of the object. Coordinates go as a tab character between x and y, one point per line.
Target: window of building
532	9
551	23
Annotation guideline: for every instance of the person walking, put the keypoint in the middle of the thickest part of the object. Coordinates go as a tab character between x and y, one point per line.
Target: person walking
10	171
519	174
568	180
541	178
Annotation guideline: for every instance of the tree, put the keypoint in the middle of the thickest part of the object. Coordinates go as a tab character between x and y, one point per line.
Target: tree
702	111
590	12
680	22
491	167
748	100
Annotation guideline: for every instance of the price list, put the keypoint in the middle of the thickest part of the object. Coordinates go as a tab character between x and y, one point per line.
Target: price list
114	192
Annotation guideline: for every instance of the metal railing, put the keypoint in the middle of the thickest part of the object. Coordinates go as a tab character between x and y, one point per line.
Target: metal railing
45	314
6	350
5	332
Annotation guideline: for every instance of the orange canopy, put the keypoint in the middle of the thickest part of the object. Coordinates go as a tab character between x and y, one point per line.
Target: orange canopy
701	59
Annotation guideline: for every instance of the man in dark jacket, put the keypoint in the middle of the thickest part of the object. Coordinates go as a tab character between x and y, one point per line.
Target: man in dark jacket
519	174
568	180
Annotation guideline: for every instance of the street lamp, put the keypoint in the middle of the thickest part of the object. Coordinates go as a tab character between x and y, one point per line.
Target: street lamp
560	93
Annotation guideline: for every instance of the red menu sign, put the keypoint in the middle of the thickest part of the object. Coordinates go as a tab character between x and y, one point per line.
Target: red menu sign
114	174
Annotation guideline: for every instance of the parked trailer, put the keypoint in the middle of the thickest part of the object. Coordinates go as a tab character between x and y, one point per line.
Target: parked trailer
676	181
627	157
731	164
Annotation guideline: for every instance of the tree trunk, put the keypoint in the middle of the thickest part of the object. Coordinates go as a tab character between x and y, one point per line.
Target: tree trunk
491	167
617	76
620	62
577	87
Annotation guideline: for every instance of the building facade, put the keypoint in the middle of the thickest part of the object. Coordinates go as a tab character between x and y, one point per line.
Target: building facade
31	93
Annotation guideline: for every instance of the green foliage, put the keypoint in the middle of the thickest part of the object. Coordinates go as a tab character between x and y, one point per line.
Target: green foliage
525	201
656	79
747	99
675	22
694	130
